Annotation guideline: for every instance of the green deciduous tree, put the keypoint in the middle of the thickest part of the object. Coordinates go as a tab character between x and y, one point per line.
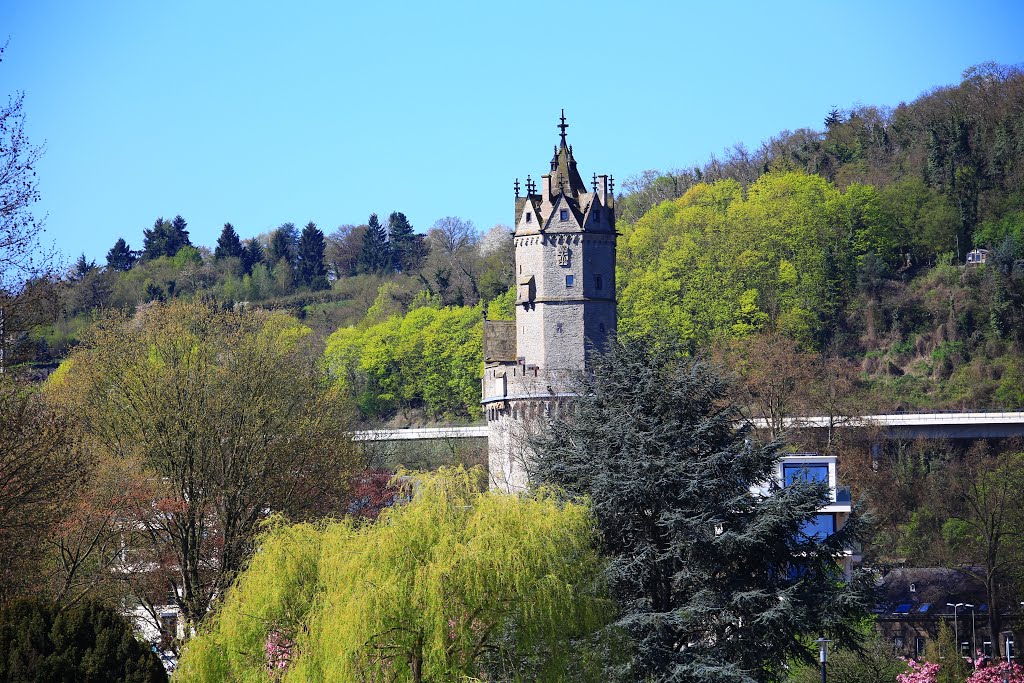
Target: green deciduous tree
875	662
344	247
923	222
985	529
38	471
781	255
430	358
713	582
454	585
225	417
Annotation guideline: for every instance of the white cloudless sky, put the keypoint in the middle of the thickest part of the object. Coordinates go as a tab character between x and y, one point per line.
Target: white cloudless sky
260	113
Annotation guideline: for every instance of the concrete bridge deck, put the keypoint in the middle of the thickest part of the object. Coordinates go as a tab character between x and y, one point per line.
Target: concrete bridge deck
966	425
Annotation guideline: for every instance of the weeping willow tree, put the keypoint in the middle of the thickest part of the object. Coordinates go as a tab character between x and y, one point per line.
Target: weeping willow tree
453	585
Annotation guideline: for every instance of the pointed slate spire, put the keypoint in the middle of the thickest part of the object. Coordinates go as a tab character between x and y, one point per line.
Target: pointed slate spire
565	177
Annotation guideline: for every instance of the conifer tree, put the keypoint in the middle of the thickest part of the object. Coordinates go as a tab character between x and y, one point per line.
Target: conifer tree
282	244
165	238
228	244
252	253
406	247
714	583
82	267
375	256
154	240
180	234
120	257
86	642
312	270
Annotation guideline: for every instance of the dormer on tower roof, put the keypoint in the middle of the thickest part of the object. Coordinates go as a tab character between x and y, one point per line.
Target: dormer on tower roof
563	194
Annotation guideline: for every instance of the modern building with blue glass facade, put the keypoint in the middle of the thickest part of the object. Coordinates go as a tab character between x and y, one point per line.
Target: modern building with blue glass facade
833	516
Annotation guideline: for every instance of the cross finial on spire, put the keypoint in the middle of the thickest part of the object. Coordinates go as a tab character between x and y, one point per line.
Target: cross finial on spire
593	183
517	188
562	126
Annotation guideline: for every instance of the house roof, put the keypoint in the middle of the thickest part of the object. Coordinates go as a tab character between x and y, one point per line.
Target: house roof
924	591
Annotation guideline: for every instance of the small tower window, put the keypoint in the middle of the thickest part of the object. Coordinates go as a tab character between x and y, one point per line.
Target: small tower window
559	328
598	282
529	217
570	280
563	215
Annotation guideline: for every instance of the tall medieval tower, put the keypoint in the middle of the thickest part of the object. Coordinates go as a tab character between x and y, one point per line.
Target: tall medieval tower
565	309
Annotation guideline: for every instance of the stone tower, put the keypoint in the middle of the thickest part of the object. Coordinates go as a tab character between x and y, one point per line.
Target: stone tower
565	309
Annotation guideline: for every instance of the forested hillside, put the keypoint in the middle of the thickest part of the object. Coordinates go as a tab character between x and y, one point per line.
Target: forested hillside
844	247
852	241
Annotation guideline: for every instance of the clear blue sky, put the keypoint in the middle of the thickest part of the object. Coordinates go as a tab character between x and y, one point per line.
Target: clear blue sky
260	113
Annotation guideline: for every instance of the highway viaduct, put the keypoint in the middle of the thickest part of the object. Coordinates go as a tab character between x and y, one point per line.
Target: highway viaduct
945	425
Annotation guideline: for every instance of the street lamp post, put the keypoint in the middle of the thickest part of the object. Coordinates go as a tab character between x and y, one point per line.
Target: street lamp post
974	639
956	626
823	655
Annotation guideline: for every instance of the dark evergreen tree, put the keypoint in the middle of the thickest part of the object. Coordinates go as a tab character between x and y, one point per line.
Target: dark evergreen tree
228	244
834	118
165	238
713	583
252	253
407	250
282	244
120	257
155	239
87	642
312	268
82	268
179	235
375	255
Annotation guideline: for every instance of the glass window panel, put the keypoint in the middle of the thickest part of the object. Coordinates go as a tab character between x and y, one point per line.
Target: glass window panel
819	526
805	472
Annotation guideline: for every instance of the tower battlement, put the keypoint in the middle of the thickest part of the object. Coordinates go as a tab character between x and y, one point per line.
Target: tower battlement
565	244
